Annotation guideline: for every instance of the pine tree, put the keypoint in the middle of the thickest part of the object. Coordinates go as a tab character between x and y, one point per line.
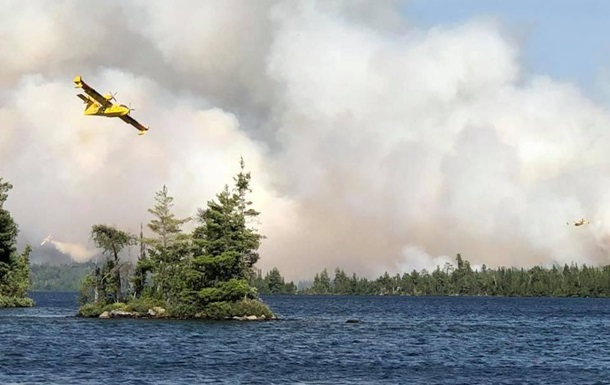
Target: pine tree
112	241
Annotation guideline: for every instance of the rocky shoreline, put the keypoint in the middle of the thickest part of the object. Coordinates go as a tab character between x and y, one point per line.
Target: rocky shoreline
160	313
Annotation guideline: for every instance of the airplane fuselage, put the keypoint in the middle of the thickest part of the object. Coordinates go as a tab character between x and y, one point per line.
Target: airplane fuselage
113	111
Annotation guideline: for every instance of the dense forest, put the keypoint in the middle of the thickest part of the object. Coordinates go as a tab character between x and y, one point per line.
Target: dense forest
64	277
14	266
204	274
452	279
460	279
272	283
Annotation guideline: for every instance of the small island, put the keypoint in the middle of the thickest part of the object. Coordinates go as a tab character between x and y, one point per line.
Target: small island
14	267
204	274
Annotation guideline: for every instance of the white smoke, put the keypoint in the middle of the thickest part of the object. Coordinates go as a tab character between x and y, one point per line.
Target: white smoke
373	145
78	252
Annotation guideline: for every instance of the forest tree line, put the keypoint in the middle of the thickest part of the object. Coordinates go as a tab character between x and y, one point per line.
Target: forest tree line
64	277
452	279
461	279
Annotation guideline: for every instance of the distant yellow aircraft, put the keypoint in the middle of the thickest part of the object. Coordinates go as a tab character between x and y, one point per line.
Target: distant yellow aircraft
580	222
103	106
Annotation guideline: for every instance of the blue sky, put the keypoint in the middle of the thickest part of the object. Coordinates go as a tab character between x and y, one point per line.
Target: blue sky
568	40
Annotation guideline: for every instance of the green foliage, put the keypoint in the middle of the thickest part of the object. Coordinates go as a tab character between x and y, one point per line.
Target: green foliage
232	290
321	283
190	275
226	266
251	307
272	283
90	309
227	310
8	236
66	277
21	273
112	241
8	227
275	281
165	224
139	306
14	267
6	301
224	230
142	305
181	310
461	279
219	310
169	252
93	309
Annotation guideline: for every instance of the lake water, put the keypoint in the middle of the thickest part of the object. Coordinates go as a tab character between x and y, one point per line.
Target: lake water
401	340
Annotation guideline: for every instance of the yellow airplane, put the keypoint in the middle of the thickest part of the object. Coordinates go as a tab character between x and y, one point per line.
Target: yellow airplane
48	239
580	222
103	106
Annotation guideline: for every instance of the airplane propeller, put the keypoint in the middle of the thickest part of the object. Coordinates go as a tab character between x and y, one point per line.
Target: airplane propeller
112	95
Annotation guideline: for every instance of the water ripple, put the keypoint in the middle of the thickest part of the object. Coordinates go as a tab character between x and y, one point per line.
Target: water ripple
399	340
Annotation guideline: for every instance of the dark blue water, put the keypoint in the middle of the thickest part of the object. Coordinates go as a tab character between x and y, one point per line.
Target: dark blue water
400	340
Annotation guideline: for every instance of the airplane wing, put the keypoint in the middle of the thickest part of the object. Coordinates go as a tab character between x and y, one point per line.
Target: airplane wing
129	120
91	92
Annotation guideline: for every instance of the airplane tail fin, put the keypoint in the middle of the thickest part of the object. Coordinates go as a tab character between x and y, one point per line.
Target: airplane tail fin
78	81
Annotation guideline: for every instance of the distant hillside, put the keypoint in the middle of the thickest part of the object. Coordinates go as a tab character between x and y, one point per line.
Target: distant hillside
65	277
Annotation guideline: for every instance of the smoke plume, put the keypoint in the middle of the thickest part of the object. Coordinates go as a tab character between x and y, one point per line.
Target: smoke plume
373	145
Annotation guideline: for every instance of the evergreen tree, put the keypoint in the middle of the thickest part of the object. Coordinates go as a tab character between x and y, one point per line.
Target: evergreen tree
227	245
112	241
165	225
14	267
8	227
322	283
250	238
143	266
169	250
260	283
275	281
341	283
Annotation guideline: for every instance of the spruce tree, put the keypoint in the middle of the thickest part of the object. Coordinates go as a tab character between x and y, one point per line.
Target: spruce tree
169	249
227	245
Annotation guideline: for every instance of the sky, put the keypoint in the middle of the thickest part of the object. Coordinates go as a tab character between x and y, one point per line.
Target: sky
381	136
565	39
